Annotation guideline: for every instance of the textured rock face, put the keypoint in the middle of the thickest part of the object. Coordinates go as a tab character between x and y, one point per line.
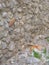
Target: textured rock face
4	45
11	46
30	25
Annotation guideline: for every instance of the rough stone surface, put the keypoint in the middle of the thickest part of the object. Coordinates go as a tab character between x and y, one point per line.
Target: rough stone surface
4	45
30	27
11	46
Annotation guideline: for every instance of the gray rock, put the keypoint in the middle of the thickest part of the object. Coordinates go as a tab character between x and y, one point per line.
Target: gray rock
19	9
22	31
3	60
39	37
26	1
12	3
10	14
1	55
1	34
7	4
28	38
1	7
17	30
12	61
1	23
28	16
25	58
5	33
4	45
4	51
11	46
3	4
8	39
16	24
46	63
15	2
37	10
6	27
8	54
4	39
23	55
18	16
0	44
35	0
4	14
14	10
32	60
27	27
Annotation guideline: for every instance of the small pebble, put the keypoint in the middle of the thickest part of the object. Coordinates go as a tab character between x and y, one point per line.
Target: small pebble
26	1
11	46
19	10
4	45
4	14
1	6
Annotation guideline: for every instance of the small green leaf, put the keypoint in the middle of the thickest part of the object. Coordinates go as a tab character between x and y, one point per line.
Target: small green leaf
37	55
44	51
